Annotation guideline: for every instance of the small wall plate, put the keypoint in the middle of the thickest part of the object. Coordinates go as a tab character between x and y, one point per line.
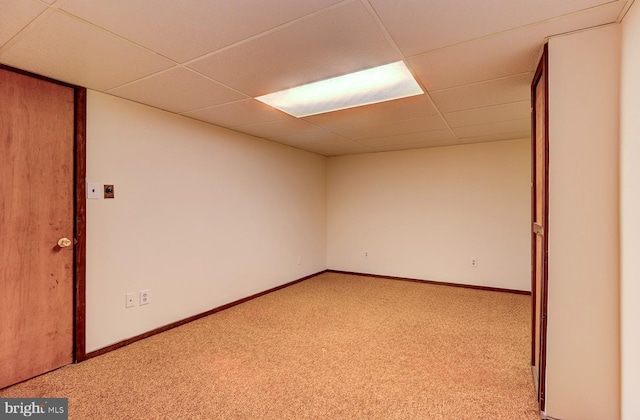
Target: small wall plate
109	192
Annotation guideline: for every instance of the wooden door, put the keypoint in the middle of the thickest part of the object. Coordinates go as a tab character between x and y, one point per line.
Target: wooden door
540	228
36	211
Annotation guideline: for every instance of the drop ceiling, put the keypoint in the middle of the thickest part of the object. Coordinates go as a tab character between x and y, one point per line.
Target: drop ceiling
208	60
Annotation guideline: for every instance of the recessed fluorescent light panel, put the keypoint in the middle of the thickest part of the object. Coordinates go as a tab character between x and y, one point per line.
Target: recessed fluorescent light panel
379	84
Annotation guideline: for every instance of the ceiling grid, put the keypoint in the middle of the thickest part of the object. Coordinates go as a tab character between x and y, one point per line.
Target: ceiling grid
209	60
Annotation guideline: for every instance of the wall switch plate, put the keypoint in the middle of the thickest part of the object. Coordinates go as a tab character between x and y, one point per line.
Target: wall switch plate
131	300
144	297
109	191
93	190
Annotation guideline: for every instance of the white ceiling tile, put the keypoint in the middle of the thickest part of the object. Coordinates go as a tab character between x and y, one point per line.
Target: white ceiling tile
336	148
275	129
248	111
505	112
430	123
396	147
384	112
475	58
177	90
503	54
496	137
418	26
493	92
65	48
334	42
185	30
503	127
310	137
413	138
16	15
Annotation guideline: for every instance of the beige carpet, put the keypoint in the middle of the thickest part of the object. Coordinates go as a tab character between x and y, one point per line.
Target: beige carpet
332	347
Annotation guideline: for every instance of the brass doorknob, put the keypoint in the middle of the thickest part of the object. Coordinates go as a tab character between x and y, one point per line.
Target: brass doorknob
64	242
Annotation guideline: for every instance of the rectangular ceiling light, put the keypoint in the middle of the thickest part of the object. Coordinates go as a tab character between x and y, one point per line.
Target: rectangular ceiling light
378	84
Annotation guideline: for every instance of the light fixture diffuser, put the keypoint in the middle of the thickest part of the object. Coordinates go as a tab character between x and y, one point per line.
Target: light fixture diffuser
378	84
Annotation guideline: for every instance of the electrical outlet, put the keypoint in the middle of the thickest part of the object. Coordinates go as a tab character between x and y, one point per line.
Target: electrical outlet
366	254
145	297
131	300
474	262
299	260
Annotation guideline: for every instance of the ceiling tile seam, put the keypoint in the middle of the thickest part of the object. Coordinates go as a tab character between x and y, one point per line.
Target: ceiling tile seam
141	79
357	126
188	69
494	141
332	142
267	32
517	28
407	146
422	143
559	34
490	135
372	12
343	138
391	40
347	150
401	134
247	134
491	123
433	104
625	10
331	130
350	145
327	129
56	4
624	4
217	81
127	40
45	14
441	114
489	106
275	121
380	149
211	107
483	81
357	149
417	130
287	145
141	103
577	31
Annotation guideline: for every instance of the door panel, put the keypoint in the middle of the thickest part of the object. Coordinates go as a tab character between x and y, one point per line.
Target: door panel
540	231
36	210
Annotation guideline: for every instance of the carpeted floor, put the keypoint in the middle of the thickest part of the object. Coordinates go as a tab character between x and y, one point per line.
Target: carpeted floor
333	347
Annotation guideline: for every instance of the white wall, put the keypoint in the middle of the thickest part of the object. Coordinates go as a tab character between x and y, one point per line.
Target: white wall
630	213
583	379
202	216
424	213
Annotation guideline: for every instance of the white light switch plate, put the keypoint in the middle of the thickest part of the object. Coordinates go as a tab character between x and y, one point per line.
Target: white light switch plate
131	300
94	190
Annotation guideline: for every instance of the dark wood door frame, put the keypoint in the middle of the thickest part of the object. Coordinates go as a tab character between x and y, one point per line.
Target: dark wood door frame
80	205
541	72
